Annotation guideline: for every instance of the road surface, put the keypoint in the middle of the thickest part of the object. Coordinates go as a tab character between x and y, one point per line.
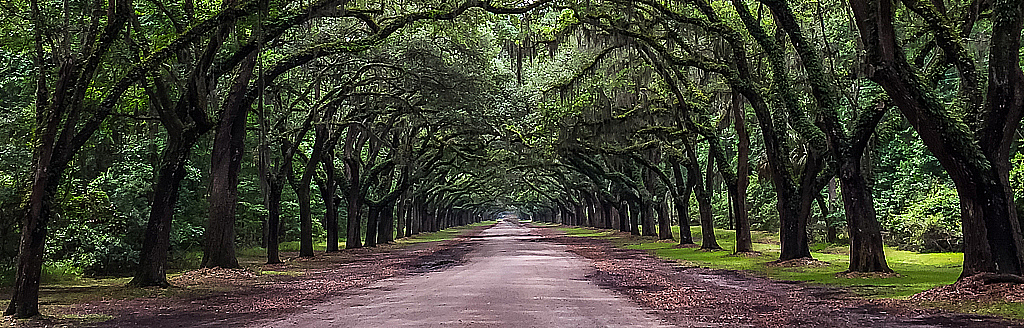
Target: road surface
507	280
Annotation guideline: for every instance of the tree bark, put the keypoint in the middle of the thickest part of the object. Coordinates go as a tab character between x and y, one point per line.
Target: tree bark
664	221
707	223
353	194
386	233
401	215
276	187
321	145
372	217
977	162
744	242
152	270
327	192
683	204
866	253
228	146
647	219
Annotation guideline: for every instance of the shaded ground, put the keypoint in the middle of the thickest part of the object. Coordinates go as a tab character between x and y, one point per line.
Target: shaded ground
510	276
231	298
700	297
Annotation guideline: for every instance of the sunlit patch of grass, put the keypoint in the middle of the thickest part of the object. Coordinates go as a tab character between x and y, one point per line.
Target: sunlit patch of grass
85	318
917	272
586	232
293	246
1002	309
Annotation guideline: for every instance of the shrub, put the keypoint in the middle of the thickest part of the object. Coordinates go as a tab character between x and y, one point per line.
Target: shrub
931	224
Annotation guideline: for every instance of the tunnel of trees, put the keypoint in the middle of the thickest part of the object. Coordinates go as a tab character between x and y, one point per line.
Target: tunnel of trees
135	133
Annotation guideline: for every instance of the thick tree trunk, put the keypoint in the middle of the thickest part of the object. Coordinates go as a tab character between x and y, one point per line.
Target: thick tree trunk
327	192
623	214
634	218
152	269
608	215
320	146
647	219
353	195
866	253
744	242
682	204
590	206
400	217
228	146
372	218
579	215
978	162
796	208
664	221
25	297
274	220
412	222
707	222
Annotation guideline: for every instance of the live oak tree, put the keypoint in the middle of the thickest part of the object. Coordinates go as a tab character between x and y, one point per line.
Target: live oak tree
971	137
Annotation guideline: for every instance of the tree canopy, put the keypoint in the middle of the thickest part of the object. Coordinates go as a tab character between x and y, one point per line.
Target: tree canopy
135	133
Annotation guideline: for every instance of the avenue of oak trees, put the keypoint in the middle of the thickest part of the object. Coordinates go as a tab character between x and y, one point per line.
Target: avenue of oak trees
380	120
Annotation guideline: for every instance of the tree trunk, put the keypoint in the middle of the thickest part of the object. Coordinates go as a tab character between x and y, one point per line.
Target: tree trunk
25	297
228	146
276	187
623	214
400	217
707	223
320	146
796	207
353	195
152	269
327	192
648	220
664	221
866	253
414	216
683	204
372	218
977	162
744	242
590	206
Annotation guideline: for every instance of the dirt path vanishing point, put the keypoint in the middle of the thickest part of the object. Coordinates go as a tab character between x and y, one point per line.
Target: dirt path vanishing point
515	276
505	281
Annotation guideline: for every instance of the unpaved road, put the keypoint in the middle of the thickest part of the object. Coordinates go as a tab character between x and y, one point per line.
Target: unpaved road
507	280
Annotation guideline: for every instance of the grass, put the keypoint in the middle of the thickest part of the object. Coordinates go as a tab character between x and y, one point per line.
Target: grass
441	235
64	285
917	272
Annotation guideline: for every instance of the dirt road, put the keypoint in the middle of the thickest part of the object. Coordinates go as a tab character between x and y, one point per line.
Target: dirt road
507	280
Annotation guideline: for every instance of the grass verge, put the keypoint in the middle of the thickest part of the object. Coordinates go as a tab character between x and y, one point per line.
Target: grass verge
916	272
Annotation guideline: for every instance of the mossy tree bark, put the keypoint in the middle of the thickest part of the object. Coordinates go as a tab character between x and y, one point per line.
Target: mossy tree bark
976	154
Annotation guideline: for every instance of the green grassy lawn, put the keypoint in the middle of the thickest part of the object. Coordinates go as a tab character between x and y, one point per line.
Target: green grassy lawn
917	271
